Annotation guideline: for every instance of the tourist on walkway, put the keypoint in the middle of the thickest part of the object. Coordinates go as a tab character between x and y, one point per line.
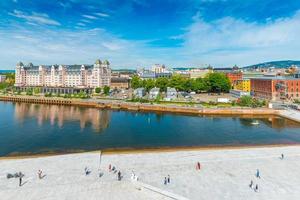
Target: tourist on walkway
87	171
109	168
165	182
20	178
257	174
168	178
119	176
20	181
198	166
256	188
282	156
40	174
251	184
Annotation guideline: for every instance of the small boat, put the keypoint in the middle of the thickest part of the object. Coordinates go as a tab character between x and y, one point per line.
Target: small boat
255	122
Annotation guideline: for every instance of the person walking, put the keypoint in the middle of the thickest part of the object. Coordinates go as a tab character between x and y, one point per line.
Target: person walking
198	166
256	188
20	178
40	174
168	178
119	176
251	184
282	156
20	181
109	167
165	181
257	174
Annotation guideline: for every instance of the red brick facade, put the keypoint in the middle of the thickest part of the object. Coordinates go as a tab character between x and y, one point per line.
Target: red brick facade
276	89
234	76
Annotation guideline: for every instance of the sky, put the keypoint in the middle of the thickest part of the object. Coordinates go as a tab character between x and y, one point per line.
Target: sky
140	33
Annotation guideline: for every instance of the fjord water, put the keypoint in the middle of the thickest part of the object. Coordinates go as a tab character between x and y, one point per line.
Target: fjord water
32	129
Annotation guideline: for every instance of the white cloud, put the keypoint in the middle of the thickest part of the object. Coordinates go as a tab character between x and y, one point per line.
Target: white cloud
69	47
81	24
223	42
34	17
85	21
230	41
89	16
101	14
112	46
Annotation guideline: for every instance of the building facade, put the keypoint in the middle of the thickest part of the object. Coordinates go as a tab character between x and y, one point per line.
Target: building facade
62	76
242	85
234	76
119	83
276	88
199	73
158	68
2	78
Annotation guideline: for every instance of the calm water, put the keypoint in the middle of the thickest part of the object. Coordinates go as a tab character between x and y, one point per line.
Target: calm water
30	128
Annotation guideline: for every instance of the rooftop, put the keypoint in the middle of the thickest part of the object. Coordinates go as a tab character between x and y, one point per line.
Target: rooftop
276	78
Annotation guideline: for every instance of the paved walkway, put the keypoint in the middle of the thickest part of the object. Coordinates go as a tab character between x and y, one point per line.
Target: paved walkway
291	114
224	174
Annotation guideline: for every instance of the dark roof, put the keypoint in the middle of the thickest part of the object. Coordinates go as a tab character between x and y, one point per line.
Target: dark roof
119	80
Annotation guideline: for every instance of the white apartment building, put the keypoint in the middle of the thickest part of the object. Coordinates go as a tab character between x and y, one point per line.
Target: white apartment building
2	78
157	68
64	76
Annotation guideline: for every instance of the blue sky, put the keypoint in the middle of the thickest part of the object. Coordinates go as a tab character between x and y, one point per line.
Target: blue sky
132	33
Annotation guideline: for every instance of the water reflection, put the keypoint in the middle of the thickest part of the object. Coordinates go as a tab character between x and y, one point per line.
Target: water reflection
99	119
272	122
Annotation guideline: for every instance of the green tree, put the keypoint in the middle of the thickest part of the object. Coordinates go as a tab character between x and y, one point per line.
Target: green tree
106	90
177	82
36	90
136	82
150	83
29	92
98	90
199	85
187	84
218	82
162	83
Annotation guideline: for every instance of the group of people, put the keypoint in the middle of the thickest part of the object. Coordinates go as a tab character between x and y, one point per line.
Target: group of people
114	170
21	175
257	175
251	185
167	180
134	177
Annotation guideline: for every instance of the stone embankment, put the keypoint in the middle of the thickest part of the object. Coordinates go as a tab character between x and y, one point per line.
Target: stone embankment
141	107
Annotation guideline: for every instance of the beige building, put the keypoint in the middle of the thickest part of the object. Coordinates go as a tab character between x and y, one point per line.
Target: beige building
158	68
199	73
63	76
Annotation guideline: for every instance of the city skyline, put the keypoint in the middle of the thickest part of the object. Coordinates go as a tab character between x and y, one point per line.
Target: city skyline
141	33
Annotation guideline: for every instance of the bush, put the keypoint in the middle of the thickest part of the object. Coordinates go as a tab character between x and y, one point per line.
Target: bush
29	92
248	101
106	90
97	90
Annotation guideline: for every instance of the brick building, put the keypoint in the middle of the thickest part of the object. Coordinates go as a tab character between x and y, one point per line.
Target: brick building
276	88
234	76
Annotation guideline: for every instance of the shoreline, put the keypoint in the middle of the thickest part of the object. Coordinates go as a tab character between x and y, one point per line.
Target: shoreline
148	150
143	107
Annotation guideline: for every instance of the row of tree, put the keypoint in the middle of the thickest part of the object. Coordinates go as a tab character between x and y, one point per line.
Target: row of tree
213	82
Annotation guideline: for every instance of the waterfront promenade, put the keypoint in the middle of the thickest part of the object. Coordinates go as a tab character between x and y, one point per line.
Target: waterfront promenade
224	174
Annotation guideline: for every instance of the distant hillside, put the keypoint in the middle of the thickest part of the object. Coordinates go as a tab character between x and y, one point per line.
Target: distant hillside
275	64
6	71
